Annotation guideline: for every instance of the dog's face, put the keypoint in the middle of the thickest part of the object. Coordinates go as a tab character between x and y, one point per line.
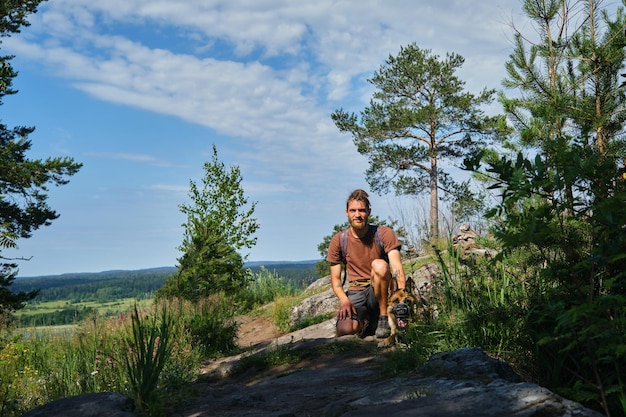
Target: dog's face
401	306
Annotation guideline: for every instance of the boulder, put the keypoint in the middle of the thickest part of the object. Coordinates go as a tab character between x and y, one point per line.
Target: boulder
102	404
322	303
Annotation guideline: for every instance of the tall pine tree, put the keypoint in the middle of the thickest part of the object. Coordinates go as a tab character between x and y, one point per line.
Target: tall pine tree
24	183
420	120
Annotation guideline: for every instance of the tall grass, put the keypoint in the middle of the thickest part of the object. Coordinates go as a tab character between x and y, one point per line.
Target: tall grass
133	354
148	348
264	287
483	302
150	354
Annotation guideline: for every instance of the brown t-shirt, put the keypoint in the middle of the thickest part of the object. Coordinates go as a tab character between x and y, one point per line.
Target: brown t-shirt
362	251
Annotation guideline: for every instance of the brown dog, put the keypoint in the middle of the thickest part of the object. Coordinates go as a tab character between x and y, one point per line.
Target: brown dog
402	304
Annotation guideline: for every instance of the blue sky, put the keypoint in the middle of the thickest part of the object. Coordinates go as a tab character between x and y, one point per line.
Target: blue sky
140	90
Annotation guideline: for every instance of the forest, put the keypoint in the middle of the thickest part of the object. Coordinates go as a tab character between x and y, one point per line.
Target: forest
70	298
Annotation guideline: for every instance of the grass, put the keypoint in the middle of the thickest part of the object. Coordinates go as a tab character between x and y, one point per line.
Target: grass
107	308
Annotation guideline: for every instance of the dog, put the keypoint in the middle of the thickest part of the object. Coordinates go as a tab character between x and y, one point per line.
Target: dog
401	305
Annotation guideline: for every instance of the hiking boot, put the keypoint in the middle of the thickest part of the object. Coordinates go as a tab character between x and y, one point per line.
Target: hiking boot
383	330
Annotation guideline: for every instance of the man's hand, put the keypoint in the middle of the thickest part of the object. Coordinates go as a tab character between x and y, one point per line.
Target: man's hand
346	310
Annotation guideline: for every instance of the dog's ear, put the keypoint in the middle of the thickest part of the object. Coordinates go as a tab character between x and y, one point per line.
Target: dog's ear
393	285
410	286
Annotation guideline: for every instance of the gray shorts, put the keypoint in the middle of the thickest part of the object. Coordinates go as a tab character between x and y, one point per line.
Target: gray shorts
366	304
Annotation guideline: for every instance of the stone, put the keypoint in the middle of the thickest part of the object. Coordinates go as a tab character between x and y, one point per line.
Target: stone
322	303
469	364
102	404
462	383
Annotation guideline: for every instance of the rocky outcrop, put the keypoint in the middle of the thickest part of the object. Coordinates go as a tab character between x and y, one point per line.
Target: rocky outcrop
103	404
319	303
466	243
468	383
464	383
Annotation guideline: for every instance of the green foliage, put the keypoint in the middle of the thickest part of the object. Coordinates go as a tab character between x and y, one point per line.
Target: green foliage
9	300
561	214
207	267
212	327
219	223
100	287
281	311
84	286
311	321
13	16
148	347
18	378
483	302
68	315
296	274
46	366
263	288
418	342
419	118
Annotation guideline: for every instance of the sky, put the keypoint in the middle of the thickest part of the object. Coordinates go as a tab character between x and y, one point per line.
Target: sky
139	91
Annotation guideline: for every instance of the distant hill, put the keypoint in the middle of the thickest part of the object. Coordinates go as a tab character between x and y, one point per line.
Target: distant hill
282	264
116	273
140	284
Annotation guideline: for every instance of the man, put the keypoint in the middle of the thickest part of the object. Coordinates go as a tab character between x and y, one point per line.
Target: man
372	257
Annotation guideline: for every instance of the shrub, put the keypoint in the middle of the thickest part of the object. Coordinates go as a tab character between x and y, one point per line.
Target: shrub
264	287
148	348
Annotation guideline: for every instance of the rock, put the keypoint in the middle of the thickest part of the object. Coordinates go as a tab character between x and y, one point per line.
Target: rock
447	398
315	287
463	383
466	239
469	364
322	303
102	404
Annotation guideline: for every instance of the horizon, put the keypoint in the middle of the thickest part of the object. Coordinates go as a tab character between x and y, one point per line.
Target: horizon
247	263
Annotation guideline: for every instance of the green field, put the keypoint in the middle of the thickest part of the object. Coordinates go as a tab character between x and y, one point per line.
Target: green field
62	312
70	298
106	308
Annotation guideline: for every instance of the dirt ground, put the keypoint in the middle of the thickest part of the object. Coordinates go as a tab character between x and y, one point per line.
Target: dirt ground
306	388
255	330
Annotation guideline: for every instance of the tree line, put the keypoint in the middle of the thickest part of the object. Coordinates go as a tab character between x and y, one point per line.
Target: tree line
110	286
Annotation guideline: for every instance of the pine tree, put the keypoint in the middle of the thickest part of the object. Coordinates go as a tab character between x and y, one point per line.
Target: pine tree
219	224
24	182
419	119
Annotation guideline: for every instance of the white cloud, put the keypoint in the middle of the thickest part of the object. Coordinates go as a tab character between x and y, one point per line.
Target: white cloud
331	47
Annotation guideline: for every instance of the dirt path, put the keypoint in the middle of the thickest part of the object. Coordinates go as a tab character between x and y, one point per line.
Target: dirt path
316	384
255	330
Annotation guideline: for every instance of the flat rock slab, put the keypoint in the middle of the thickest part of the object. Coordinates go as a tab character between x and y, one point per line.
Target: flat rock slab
102	404
354	384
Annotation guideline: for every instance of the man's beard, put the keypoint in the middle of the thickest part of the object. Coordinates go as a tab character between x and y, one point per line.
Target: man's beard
360	226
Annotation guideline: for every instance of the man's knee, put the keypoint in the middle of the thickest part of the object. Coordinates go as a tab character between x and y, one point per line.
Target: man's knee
347	326
380	269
